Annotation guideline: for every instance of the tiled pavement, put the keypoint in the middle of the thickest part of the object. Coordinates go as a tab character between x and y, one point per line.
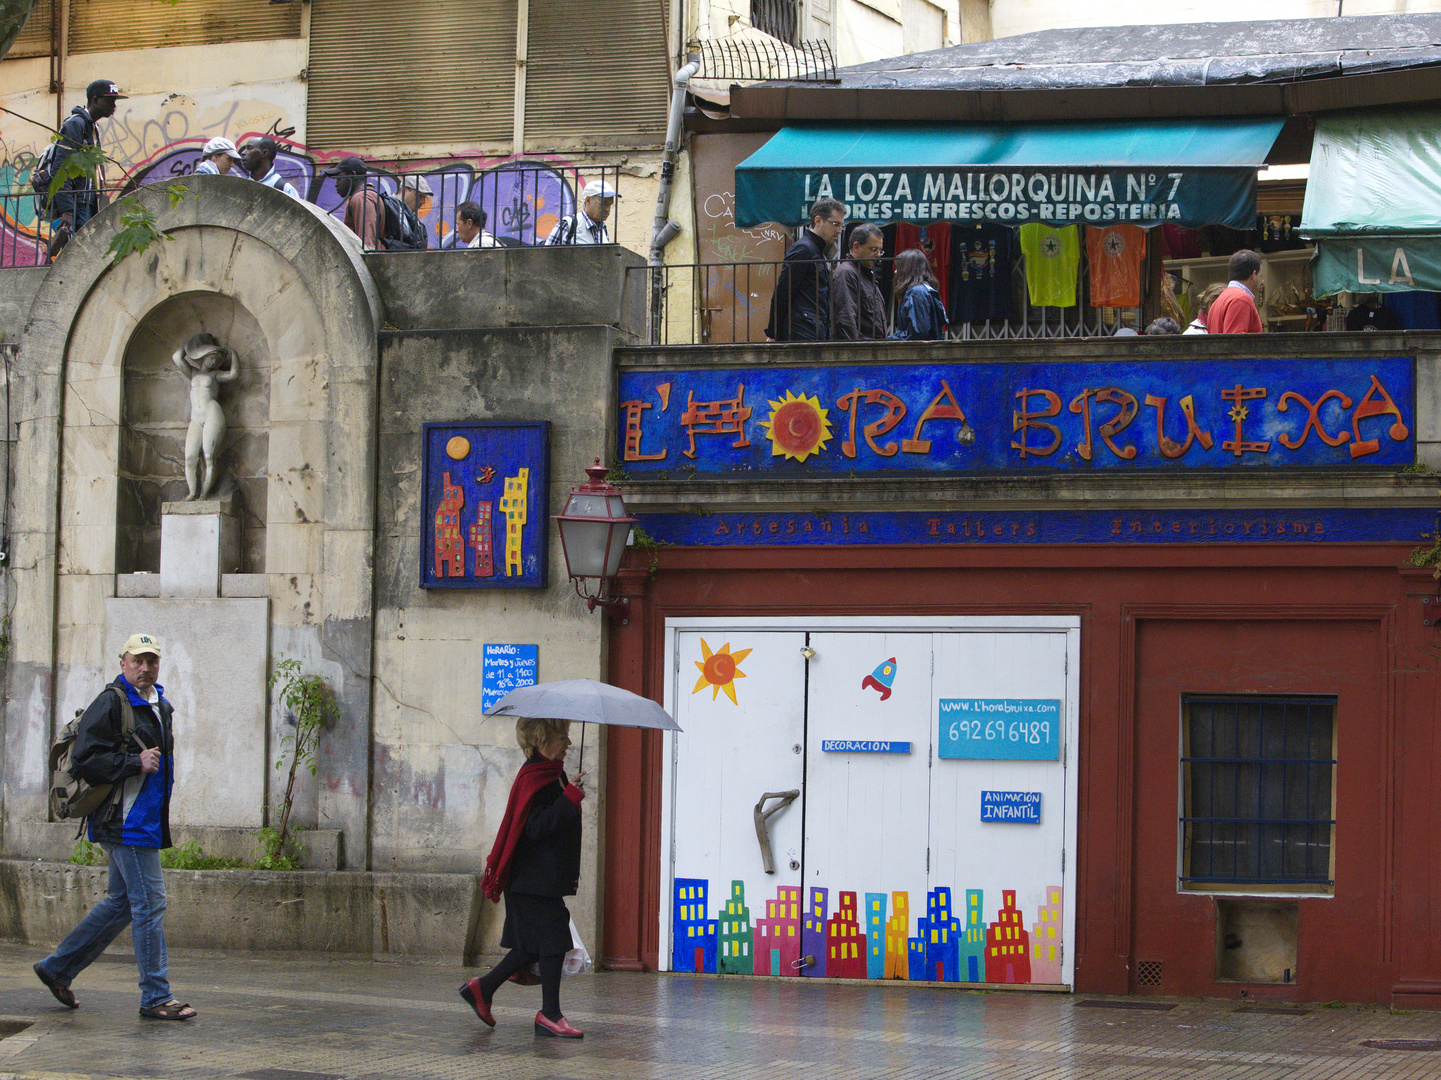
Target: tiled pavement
315	1020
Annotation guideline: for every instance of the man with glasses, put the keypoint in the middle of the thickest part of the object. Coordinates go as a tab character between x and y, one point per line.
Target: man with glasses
800	306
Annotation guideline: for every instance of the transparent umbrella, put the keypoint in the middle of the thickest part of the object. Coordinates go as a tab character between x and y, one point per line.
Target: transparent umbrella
584	701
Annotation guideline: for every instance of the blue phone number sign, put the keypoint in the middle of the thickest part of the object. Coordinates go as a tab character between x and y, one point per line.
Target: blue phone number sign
1024	729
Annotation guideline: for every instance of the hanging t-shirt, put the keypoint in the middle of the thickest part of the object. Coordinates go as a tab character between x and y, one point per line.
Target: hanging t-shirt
1053	258
980	286
1115	255
935	241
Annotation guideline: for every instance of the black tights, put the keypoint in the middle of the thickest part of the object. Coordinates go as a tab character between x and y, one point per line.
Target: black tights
516	960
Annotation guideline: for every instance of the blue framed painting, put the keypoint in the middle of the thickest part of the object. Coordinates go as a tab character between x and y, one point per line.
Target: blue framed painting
484	512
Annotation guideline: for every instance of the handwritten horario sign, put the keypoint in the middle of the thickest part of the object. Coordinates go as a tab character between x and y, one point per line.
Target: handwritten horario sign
1024	417
504	668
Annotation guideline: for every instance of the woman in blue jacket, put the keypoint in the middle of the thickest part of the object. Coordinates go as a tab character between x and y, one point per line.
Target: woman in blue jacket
920	315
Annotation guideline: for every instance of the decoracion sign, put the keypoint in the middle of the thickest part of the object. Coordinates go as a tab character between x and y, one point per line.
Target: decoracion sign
1124	415
1008	729
486	488
853	746
1012	807
504	668
1289	526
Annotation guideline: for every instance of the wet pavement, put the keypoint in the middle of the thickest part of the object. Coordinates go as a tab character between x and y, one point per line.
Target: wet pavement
265	1019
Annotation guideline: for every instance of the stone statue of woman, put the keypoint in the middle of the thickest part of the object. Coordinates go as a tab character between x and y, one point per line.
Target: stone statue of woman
207	364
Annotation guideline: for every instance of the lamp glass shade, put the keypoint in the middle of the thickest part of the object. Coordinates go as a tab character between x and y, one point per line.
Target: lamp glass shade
593	531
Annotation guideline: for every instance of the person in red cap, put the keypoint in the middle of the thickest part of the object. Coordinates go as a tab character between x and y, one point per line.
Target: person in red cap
78	199
535	862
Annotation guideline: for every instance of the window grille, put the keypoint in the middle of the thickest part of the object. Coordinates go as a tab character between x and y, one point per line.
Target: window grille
1258	784
778	18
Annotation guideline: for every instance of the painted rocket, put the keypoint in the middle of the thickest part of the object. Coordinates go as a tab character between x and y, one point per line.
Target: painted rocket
880	680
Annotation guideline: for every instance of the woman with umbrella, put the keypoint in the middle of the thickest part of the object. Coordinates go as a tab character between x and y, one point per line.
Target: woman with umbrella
536	863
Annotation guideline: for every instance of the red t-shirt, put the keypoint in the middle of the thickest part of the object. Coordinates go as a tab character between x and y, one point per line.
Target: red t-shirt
1234	312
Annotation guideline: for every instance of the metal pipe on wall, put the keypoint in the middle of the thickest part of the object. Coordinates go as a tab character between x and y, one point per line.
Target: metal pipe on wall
663	230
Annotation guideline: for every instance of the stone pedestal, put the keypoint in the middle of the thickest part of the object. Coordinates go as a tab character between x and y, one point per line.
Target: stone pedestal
199	541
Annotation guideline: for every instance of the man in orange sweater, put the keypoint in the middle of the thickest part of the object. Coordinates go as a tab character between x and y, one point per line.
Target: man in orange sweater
1234	311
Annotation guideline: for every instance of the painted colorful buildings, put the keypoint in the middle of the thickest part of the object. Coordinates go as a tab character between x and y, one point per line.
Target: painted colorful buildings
973	944
735	934
693	946
778	936
514	505
481	540
1008	952
898	937
846	954
875	935
449	546
813	932
1046	939
943	937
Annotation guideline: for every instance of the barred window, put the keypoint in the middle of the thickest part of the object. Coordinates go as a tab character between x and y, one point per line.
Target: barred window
1258	789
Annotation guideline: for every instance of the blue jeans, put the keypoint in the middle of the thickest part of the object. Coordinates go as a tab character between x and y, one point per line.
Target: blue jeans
136	892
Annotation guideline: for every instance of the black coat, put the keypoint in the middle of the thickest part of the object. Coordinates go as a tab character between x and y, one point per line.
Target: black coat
546	860
102	756
800	306
858	310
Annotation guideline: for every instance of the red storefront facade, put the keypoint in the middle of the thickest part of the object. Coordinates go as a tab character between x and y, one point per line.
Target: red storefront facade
1164	620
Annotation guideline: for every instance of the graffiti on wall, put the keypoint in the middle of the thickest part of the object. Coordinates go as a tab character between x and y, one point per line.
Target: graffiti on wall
522	197
800	936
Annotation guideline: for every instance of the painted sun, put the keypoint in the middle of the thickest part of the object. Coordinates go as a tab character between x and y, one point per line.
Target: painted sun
719	670
798	427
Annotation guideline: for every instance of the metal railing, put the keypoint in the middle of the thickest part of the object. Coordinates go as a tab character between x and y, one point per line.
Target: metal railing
521	204
731	303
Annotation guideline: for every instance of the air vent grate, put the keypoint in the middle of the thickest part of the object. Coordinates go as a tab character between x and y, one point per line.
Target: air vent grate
1148	972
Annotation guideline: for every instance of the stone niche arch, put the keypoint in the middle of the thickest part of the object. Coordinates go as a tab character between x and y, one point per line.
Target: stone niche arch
293	284
154	408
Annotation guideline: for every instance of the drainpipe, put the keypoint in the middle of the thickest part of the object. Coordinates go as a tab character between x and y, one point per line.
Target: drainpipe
664	230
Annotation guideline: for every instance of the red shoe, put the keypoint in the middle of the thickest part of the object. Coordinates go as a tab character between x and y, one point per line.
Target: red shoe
471	992
525	977
560	1029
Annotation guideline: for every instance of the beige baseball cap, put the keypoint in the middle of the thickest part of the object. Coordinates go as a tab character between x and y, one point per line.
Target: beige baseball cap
136	644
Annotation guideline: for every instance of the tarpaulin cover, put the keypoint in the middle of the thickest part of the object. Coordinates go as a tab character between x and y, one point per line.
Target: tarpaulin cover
1190	172
1373	202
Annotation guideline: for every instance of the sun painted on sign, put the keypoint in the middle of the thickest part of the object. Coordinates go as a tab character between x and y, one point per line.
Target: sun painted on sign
797	427
945	946
719	670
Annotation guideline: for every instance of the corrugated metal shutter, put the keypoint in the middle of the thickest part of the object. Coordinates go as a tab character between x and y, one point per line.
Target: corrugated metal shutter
34	39
598	71
410	72
97	25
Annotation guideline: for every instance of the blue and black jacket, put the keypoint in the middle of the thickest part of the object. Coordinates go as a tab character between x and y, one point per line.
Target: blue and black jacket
137	814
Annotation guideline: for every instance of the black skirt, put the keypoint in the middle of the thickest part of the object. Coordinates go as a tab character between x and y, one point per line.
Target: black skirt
537	925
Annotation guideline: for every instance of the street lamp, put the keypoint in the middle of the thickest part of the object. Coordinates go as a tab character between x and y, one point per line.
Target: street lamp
593	530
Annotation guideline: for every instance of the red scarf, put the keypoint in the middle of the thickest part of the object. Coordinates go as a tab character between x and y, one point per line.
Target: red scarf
533	776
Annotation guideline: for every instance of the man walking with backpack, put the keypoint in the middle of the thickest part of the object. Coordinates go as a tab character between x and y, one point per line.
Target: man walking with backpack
123	740
365	214
588	225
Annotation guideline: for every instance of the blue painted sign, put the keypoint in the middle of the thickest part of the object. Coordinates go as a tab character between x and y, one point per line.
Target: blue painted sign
485	498
854	746
1290	526
504	668
988	418
1011	807
1010	729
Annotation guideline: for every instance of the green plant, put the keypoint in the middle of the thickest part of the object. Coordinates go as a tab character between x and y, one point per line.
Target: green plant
310	705
139	227
87	854
649	544
1419	467
270	855
188	856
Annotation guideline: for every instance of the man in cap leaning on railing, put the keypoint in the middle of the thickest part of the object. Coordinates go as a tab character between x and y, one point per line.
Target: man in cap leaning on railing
587	226
78	199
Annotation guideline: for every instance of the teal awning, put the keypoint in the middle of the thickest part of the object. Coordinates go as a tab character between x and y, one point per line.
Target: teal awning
1373	202
1190	172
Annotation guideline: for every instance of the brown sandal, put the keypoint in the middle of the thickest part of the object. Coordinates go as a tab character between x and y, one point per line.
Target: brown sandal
171	1010
63	994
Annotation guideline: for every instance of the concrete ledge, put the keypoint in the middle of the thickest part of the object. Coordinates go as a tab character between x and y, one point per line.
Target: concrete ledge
54	841
257	585
137	585
381	916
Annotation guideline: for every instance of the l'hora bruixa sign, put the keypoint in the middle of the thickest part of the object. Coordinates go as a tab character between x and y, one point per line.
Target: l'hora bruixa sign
486	488
1023	417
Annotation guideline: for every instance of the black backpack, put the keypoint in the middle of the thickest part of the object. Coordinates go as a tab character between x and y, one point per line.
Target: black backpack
70	796
403	228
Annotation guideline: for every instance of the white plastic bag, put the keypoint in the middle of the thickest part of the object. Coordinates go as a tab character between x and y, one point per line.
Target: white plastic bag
576	962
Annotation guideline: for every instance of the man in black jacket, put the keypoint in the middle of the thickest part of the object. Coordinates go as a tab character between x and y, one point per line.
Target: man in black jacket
800	306
78	199
132	825
858	310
